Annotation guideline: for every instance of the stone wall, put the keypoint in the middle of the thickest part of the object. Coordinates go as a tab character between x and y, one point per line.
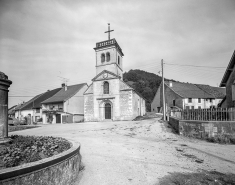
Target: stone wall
126	111
61	169
204	129
174	122
88	107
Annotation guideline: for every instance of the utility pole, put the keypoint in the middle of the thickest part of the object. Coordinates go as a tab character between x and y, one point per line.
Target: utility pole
163	93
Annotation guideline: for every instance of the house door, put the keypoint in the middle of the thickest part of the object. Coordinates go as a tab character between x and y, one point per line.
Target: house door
107	110
58	118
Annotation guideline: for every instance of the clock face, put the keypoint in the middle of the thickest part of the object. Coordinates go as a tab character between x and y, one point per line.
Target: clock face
105	75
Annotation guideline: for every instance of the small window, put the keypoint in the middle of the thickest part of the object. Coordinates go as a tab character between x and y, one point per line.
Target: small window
37	110
106	88
107	56
190	100
192	107
118	60
211	100
173	102
199	100
199	107
102	57
187	107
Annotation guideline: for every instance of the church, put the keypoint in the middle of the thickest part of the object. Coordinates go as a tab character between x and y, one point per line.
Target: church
109	97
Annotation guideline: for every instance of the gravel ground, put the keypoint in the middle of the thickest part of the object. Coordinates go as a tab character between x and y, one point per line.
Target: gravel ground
138	152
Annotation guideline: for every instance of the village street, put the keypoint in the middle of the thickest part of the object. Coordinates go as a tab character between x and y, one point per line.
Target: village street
137	152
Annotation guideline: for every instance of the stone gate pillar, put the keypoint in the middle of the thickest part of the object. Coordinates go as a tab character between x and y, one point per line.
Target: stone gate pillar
4	85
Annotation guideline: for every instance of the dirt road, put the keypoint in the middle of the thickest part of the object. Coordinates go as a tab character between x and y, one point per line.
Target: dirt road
138	152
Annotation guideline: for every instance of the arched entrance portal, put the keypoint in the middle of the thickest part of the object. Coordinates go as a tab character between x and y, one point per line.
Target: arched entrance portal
107	111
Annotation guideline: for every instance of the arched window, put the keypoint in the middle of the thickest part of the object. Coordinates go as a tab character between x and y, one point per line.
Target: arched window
102	57
118	60
107	56
106	88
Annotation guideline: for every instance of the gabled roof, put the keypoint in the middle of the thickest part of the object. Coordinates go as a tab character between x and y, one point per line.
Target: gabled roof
188	90
89	90
18	106
217	92
106	71
12	109
29	104
228	71
37	102
63	95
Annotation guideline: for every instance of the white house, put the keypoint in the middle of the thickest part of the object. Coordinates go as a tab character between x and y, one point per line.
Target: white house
180	95
66	106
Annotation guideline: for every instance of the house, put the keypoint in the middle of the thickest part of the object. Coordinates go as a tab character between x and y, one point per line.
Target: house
37	106
228	81
66	106
179	95
32	108
109	97
11	111
25	110
217	92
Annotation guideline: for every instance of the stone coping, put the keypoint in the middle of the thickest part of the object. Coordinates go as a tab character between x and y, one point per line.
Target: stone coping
201	121
27	168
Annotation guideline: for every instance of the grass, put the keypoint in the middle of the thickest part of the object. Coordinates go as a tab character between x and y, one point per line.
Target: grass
20	127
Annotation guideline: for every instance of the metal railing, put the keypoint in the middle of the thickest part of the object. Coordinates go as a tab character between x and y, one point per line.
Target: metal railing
215	114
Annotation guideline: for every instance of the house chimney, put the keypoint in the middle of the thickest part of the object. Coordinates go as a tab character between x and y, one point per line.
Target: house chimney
64	86
170	84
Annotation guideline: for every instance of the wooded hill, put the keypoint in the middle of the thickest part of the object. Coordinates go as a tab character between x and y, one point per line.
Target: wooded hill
144	83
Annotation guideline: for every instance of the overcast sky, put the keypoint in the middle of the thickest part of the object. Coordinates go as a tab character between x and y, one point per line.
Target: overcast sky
43	39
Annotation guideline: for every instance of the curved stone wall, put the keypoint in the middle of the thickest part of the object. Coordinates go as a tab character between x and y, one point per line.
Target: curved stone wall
61	169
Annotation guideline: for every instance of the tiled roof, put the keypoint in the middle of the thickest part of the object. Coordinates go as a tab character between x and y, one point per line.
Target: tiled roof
18	106
188	90
228	71
37	102
63	95
12	109
217	92
27	105
221	90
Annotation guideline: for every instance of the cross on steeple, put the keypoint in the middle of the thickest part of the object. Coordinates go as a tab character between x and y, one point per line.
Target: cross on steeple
109	31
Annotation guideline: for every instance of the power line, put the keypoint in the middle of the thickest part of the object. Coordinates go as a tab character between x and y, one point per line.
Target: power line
196	66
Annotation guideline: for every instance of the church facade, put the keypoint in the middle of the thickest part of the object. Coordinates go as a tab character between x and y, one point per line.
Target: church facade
109	97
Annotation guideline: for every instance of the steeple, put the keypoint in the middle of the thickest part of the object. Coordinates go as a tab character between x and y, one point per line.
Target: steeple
109	55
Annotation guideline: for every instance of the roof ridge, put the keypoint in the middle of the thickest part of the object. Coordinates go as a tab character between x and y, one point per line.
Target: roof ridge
61	91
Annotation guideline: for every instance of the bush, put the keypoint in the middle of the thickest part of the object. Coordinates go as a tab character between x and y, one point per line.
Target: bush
25	149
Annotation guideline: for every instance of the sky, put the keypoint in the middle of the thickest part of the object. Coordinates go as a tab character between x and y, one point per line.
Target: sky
43	39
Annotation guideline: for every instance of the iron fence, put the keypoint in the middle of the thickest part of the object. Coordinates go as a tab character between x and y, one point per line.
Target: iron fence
215	114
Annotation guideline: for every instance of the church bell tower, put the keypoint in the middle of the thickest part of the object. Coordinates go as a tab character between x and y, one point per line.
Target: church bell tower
109	56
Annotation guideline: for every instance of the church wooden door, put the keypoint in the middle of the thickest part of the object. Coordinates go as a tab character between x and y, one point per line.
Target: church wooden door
107	110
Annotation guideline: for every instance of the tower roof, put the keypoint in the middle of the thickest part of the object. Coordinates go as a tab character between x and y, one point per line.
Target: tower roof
107	43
